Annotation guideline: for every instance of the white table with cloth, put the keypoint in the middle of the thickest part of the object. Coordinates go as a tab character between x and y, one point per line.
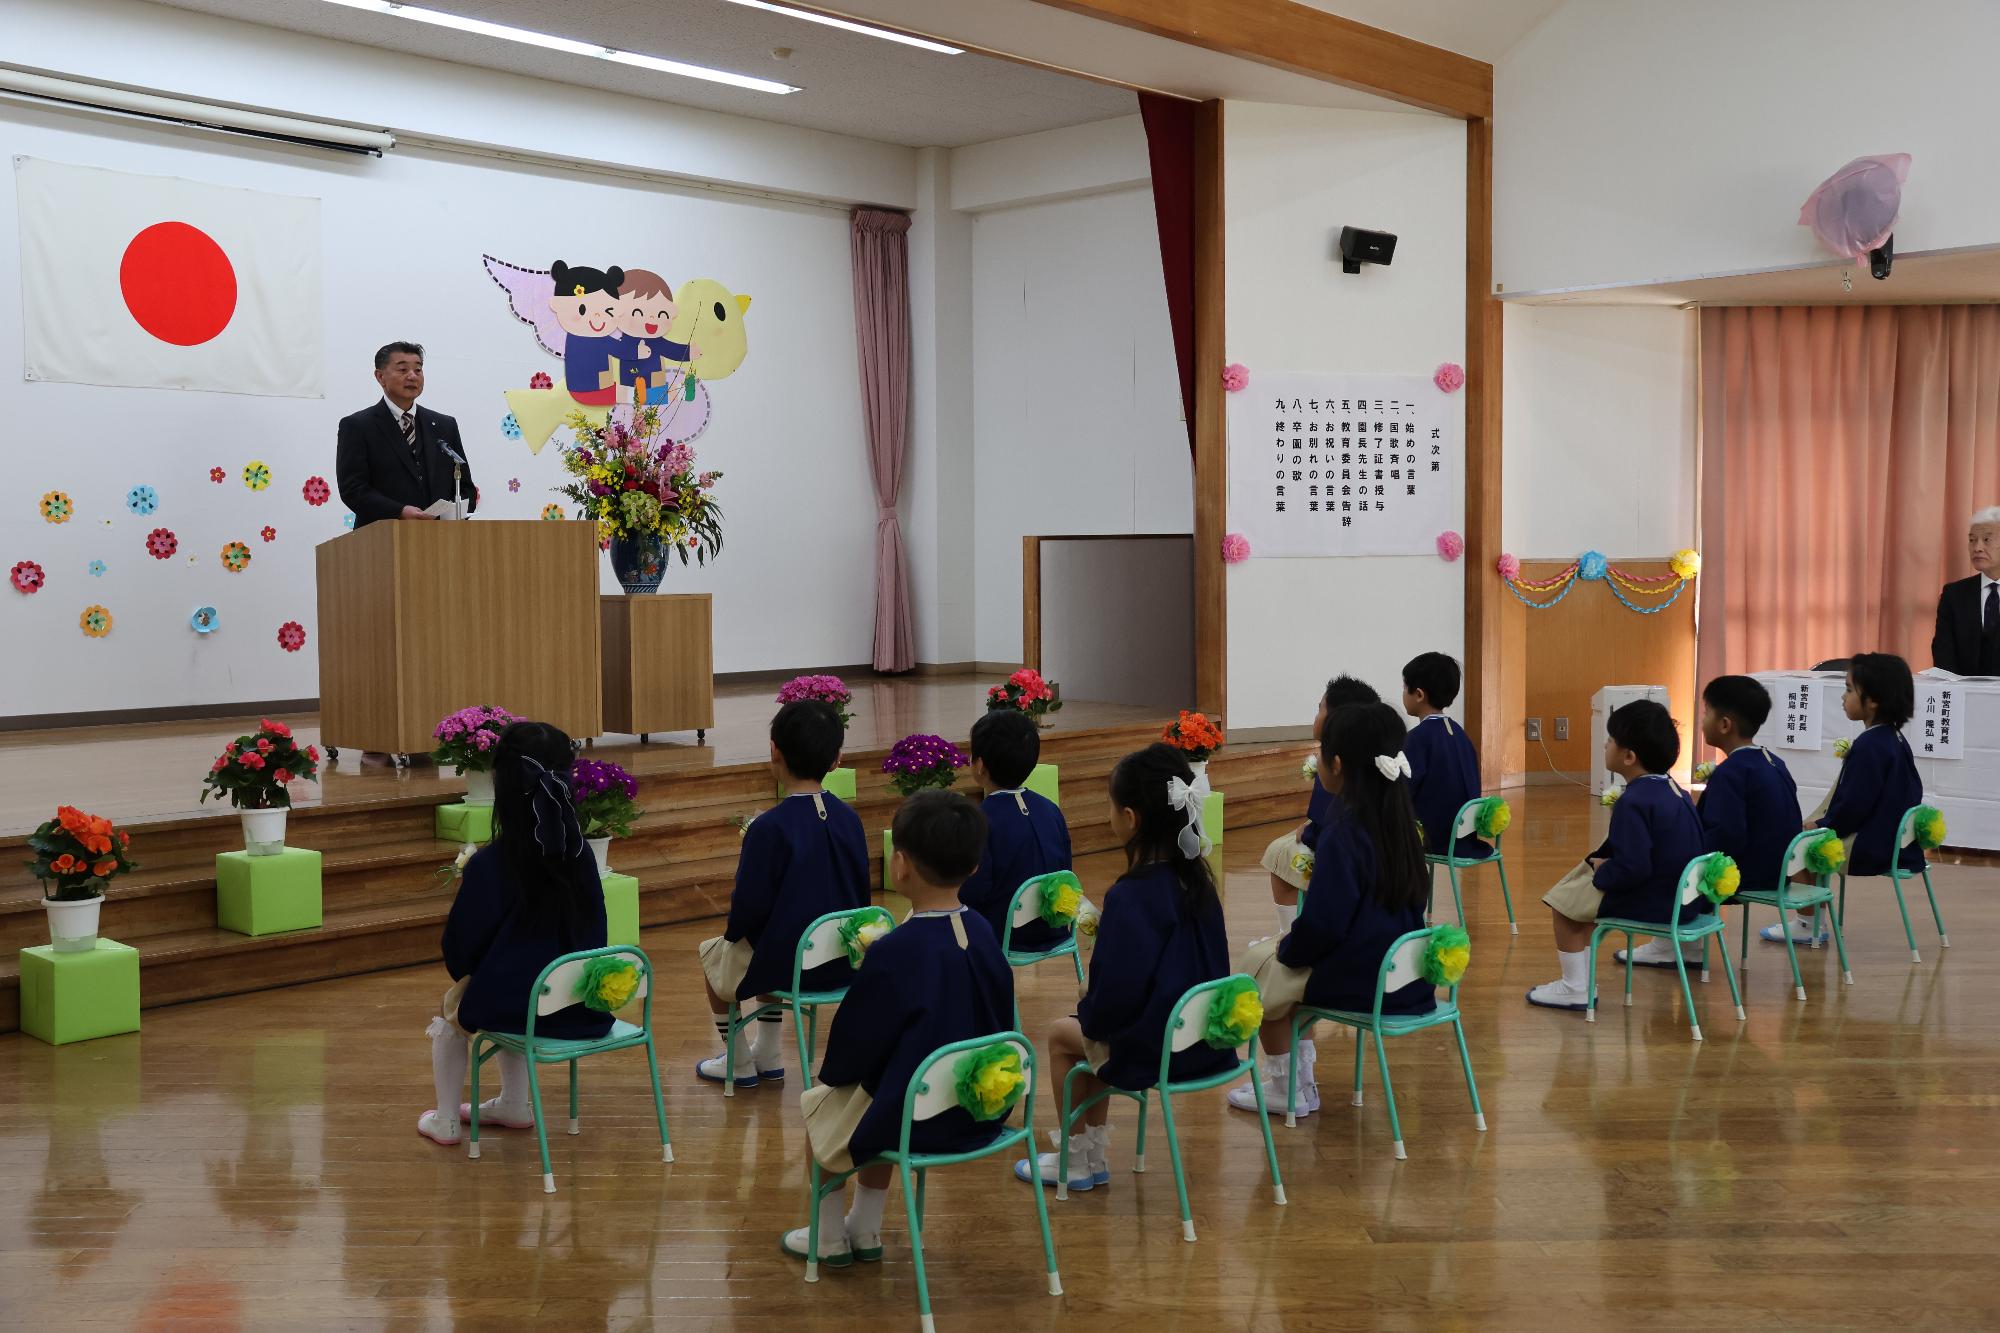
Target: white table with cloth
1955	736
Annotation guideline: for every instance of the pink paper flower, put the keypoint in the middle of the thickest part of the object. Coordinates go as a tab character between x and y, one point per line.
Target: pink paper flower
1450	545
540	380
1509	566
1235	549
1235	377
1450	377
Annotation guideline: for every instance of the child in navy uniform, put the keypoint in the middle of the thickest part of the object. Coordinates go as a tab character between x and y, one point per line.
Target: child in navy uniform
1281	858
1444	768
527	898
801	860
936	979
1160	933
1878	783
1368	887
1026	835
1636	874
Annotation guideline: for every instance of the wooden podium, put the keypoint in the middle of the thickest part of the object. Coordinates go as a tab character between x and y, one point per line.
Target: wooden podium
418	620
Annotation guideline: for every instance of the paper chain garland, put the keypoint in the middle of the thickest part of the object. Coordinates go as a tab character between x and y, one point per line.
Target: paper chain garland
1592	566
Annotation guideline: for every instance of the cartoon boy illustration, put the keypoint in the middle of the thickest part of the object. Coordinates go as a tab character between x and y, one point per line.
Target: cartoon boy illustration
646	310
585	303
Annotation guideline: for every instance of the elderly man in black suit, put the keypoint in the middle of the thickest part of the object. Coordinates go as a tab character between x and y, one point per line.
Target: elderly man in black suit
396	459
1968	615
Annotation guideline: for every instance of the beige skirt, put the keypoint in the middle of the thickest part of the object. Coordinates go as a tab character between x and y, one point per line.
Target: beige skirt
448	1006
832	1115
725	963
1575	896
1278	860
1281	989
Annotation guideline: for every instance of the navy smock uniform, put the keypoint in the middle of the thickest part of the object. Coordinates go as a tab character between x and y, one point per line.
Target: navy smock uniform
1877	786
1026	836
1444	775
494	936
1750	813
1147	957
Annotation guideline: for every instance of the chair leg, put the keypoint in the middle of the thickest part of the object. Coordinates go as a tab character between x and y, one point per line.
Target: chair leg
1704	960
1791	949
805	1043
1630	945
1139	1143
1041	1204
1896	882
1389	1094
472	1141
1430	895
1471	1088
1746	938
1687	991
1180	1172
729	1049
1513	926
1063	1114
1840	945
1360	1049
1730	976
1264	1122
813	1192
917	1245
574	1126
1076	959
1590	993
1944	940
923	1191
541	1129
1457	900
659	1100
1291	1078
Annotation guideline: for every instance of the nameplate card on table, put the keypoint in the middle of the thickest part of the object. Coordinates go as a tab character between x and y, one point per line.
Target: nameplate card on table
1796	703
1327	464
1935	732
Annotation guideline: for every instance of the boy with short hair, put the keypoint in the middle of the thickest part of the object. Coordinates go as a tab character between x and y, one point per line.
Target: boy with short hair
1444	766
1637	872
936	979
1026	834
801	860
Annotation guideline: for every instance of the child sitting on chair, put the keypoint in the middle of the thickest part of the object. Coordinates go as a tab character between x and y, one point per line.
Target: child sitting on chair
527	898
1368	887
1877	783
1444	767
1160	933
1636	874
1286	855
936	979
801	860
1026	835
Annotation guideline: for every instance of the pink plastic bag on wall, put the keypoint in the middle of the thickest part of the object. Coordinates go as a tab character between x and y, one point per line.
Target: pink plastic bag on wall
1854	210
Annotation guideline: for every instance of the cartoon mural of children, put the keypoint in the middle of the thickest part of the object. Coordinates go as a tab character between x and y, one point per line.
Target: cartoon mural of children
645	309
585	304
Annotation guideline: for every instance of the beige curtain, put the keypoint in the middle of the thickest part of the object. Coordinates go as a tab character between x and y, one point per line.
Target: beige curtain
1843	449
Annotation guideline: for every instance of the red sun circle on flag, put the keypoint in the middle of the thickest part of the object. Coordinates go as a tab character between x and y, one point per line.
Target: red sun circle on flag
178	283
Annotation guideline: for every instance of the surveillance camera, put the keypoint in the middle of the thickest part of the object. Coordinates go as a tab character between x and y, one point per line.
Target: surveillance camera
1881	258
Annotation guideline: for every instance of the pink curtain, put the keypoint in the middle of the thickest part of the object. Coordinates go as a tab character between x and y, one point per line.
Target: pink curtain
881	246
1843	449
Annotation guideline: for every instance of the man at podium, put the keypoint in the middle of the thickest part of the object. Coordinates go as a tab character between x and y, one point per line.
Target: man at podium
398	460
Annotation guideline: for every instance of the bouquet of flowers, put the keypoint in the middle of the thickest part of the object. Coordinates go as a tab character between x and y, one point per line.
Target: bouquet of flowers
256	771
77	855
1027	691
605	795
917	762
465	740
826	689
1193	735
632	481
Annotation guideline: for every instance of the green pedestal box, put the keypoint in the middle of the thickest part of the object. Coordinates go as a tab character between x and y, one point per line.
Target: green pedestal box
68	997
1211	817
839	782
263	895
1044	781
621	909
465	823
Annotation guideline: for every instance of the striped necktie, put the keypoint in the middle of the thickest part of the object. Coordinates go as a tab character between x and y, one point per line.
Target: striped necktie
410	430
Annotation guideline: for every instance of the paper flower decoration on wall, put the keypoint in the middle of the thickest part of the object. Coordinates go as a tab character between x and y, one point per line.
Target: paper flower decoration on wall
256	475
348	522
1235	549
94	622
161	543
1450	546
1590	565
27	577
1235	377
1508	565
1685	564
539	380
513	485
1449	377
552	513
316	491
291	636
97	568
56	507
217	475
510	427
235	557
142	499
269	534
204	620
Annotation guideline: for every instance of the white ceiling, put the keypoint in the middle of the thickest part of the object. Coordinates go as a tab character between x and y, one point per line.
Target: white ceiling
1957	277
1482	29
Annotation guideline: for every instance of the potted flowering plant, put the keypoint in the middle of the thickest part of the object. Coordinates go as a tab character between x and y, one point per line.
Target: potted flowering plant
826	689
77	855
1027	691
256	772
642	491
917	762
466	740
1195	737
605	796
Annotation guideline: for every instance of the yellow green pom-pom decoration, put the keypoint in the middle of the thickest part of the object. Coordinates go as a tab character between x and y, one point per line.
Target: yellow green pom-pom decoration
1841	747
1720	878
1930	828
1087	918
608	983
1826	856
1610	797
1447	955
1703	772
861	930
1061	899
1685	564
1494	817
1234	1014
990	1080
1302	863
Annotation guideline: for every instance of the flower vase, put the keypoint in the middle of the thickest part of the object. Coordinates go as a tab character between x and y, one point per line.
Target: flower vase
73	923
479	788
601	849
639	563
264	831
1200	767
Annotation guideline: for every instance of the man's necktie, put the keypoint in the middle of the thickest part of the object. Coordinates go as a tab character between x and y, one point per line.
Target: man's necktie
1993	608
410	430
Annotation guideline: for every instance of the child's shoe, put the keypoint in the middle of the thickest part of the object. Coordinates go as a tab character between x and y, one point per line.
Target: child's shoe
715	1069
1276	1074
1047	1168
438	1129
1560	995
834	1249
1801	931
1660	953
499	1113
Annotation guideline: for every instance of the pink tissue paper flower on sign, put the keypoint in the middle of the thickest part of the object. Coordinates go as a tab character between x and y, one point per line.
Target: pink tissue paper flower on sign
1450	545
1450	377
1235	549
1508	565
1235	377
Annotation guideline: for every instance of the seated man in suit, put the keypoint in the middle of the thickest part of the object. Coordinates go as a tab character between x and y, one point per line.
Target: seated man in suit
395	459
1968	615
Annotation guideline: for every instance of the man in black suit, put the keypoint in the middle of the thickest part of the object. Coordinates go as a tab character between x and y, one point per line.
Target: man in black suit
395	459
1968	615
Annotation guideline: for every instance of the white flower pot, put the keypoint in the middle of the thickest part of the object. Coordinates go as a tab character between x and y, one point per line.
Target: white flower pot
479	788
601	849
264	831
73	923
1200	767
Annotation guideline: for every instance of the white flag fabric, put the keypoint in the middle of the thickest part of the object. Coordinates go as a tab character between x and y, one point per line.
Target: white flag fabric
164	283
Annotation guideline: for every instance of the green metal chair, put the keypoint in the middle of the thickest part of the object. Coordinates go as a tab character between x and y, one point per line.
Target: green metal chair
1701	928
1906	835
1464	825
555	990
821	944
932	1092
1789	897
1190	1022
1402	964
1022	909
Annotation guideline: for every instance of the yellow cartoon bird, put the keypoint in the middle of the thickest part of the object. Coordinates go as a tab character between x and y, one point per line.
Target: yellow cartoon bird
711	318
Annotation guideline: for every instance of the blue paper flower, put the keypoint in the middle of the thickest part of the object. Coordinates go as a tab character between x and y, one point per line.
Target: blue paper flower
1591	565
142	499
97	568
347	522
510	427
204	620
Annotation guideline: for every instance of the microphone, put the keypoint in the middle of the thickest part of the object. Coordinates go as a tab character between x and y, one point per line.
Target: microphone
457	472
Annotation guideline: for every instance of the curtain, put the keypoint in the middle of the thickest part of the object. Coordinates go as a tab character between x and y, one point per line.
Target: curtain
1170	124
881	248
1843	448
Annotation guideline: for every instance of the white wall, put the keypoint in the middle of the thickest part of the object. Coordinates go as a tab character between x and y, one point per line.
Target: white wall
1293	177
937	508
1599	417
1637	140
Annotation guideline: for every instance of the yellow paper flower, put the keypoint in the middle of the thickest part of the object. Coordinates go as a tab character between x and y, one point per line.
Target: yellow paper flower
993	1086
1610	797
1726	883
1495	817
1931	828
1453	962
1087	918
871	931
1686	564
1310	769
615	989
256	475
1841	747
1703	772
56	507
1302	862
1061	901
1247	1014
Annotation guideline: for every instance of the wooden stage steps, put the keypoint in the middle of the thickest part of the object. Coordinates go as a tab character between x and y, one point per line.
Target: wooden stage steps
385	899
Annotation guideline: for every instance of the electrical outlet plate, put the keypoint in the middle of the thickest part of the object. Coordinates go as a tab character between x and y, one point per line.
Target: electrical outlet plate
1534	728
1562	728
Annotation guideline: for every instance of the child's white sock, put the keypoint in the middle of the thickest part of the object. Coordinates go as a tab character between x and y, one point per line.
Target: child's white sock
451	1052
1308	1053
832	1226
744	1065
1287	913
513	1082
864	1219
1575	968
1097	1147
766	1040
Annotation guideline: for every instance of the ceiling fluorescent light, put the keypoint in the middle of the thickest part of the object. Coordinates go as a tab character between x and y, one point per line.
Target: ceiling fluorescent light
847	26
568	45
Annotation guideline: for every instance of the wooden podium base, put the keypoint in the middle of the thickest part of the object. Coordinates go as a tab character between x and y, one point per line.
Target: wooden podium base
659	663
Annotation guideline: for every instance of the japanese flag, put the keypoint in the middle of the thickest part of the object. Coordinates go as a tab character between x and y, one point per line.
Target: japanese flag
165	283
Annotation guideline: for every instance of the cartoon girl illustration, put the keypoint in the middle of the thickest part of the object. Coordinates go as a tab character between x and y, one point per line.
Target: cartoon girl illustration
585	305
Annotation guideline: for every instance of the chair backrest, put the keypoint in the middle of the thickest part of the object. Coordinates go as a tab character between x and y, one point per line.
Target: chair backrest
1466	824
1906	827
1795	857
821	943
1404	963
1027	904
934	1087
555	989
1690	889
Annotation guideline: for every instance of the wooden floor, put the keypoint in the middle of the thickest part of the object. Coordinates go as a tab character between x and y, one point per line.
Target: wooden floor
252	1162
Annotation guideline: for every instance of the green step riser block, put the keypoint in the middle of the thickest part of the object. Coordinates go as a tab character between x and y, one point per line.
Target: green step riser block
460	822
266	895
621	909
840	782
79	996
